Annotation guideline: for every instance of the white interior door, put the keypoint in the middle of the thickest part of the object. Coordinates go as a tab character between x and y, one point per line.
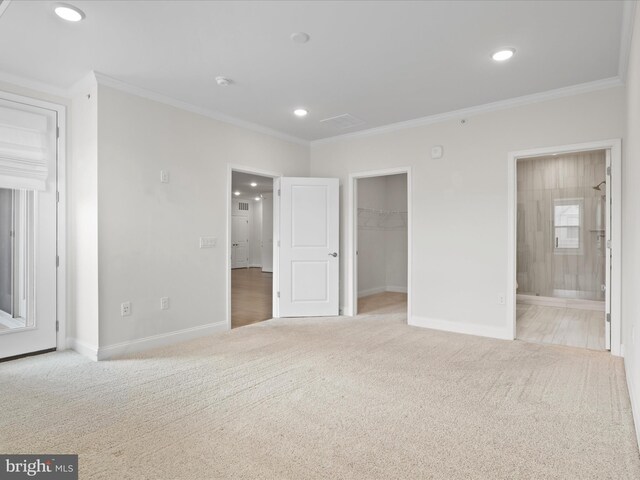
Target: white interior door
28	172
607	319
240	241
309	247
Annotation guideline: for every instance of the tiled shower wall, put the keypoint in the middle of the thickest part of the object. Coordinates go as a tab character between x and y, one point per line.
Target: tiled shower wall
541	271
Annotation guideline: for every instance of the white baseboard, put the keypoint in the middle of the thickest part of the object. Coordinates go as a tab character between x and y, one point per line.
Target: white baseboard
396	289
371	291
255	265
160	340
634	397
89	351
561	302
387	288
459	327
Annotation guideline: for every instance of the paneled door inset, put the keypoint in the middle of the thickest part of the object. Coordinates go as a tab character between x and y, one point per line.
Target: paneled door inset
309	241
239	242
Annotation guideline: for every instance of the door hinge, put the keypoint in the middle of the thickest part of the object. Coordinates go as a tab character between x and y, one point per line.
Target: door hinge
608	318
608	243
57	132
57	260
278	192
57	197
608	170
278	294
57	326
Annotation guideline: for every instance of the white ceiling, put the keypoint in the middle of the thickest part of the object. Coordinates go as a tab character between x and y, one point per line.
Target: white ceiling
382	62
241	182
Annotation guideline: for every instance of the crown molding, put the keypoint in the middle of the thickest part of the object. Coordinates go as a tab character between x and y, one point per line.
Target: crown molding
3	6
626	35
158	97
34	85
480	109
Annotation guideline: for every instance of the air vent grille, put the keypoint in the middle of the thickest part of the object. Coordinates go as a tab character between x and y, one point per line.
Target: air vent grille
243	206
342	122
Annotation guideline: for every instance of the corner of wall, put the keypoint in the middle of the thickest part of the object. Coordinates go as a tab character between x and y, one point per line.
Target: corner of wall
82	329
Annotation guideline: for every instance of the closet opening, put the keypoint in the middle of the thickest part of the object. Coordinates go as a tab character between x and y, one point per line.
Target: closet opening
381	243
251	245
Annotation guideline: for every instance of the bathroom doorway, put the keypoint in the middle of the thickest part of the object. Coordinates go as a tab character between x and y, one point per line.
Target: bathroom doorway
564	244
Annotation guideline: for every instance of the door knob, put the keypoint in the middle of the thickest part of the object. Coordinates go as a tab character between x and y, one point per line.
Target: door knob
334	254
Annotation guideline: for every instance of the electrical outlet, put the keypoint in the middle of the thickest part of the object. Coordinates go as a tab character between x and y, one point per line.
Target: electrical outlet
164	176
501	299
125	309
208	242
164	303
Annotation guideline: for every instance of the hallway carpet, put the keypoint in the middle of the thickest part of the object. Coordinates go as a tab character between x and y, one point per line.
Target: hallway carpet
364	398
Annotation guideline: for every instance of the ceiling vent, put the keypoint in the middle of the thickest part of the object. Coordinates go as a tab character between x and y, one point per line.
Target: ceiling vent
342	122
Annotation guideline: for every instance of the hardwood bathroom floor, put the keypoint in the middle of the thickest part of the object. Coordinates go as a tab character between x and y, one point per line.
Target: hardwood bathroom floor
560	326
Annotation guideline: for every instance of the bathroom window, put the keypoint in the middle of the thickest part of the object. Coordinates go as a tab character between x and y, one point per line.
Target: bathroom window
567	225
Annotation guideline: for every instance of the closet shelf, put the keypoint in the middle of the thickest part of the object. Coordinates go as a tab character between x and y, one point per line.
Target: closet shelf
371	218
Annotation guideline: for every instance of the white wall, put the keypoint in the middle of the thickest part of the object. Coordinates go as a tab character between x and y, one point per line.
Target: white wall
396	241
149	230
631	228
255	234
372	258
83	225
267	232
460	201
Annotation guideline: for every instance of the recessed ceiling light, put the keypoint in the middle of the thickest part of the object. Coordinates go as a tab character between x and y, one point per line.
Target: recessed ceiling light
254	184
504	54
300	112
69	12
257	199
300	37
236	193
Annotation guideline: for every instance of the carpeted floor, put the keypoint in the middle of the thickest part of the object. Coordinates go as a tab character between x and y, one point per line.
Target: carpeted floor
363	398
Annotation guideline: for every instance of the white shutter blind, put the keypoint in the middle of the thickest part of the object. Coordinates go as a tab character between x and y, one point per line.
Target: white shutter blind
27	145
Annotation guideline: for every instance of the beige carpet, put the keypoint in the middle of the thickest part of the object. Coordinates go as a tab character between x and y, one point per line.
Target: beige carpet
363	398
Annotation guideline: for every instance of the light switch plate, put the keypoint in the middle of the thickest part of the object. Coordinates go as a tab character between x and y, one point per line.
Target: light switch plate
437	152
208	242
164	176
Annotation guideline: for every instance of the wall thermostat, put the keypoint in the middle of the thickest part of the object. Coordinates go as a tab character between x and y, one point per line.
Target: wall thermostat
436	152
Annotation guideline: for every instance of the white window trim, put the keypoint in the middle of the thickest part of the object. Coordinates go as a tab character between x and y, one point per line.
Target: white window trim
568	251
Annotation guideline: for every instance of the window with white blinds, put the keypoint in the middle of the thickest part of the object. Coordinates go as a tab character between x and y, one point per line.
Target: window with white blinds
27	145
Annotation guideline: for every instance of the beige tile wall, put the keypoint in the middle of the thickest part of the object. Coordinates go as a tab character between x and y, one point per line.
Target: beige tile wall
541	271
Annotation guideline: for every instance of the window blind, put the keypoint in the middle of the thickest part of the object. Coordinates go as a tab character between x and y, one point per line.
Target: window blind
27	145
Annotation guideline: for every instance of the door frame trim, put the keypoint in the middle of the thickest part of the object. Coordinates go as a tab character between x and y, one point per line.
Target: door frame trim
615	147
229	203
351	308
61	210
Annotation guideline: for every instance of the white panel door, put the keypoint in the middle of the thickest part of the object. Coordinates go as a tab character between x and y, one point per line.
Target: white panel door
239	241
30	324
309	241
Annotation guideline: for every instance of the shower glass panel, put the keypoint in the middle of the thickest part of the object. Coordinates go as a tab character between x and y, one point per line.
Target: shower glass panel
560	229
